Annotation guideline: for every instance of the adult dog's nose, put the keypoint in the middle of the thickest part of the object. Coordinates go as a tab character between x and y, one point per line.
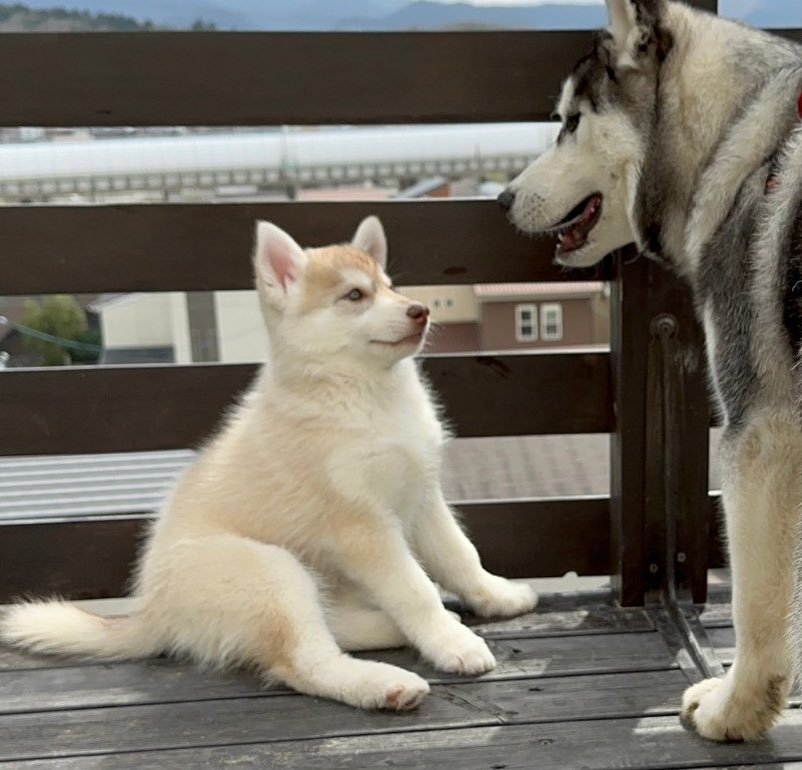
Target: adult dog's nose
418	312
506	199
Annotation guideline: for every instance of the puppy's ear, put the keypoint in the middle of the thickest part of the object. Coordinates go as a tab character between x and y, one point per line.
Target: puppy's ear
636	32
278	261
370	238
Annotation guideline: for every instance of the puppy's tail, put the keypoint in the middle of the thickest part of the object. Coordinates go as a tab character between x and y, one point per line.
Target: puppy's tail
57	627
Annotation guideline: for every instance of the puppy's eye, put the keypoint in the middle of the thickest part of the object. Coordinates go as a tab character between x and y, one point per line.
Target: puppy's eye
572	122
355	295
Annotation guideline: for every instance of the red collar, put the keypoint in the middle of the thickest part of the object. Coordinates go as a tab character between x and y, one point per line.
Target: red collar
772	180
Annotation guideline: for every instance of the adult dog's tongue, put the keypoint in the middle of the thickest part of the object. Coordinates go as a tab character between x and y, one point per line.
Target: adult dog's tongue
576	232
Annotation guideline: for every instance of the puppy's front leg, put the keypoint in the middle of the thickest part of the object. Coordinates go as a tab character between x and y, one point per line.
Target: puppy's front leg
375	555
452	560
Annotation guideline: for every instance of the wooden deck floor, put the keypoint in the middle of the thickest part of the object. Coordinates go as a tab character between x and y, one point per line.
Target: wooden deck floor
579	685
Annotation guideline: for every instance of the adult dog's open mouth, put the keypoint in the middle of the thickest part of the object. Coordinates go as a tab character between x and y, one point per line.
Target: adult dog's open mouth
573	231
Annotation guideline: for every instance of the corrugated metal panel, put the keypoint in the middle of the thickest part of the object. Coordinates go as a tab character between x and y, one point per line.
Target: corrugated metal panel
277	150
514	467
567	288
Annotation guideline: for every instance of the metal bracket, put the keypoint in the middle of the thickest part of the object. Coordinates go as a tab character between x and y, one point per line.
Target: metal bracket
677	620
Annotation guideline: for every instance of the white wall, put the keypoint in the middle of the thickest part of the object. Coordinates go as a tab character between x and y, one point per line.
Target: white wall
240	327
179	327
448	304
137	321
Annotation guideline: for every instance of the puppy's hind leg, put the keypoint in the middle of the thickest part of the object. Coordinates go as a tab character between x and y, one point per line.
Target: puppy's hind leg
257	604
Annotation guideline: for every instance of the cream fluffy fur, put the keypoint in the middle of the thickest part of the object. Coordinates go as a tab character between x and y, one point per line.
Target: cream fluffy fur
314	522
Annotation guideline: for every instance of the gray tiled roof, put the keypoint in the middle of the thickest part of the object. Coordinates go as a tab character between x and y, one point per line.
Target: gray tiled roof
475	469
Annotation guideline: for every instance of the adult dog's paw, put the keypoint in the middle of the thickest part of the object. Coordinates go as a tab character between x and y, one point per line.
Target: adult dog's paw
499	597
720	712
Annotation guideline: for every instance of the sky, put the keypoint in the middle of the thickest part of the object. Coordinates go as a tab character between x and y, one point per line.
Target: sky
527	2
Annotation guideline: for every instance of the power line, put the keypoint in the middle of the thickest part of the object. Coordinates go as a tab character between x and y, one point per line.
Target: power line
71	344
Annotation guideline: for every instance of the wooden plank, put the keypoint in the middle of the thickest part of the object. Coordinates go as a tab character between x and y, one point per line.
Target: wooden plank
125	409
174	78
717	615
73	559
546	622
629	331
723	639
651	743
92	558
165	681
523	394
185	247
593	621
209	723
539	538
705	5
642	446
677	440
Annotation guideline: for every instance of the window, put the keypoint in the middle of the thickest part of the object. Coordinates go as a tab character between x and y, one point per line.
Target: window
551	321
525	323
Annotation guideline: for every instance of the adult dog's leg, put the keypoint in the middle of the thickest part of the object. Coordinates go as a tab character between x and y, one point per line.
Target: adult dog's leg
762	464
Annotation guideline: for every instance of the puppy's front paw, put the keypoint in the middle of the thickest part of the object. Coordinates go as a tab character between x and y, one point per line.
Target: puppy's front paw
458	650
499	597
389	688
720	712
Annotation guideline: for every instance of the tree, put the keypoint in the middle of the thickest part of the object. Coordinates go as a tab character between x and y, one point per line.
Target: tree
58	315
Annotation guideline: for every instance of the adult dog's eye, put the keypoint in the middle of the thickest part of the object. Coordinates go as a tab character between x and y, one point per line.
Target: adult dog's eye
572	123
355	295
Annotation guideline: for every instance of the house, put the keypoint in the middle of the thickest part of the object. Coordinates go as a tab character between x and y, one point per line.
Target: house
227	326
541	315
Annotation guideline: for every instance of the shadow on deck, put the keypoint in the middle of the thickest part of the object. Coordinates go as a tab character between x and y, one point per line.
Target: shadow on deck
579	684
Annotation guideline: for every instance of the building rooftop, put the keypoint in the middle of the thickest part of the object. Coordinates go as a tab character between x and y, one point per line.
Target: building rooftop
493	291
512	467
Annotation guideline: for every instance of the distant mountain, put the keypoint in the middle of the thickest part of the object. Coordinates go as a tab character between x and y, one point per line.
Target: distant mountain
426	14
238	14
20	18
392	14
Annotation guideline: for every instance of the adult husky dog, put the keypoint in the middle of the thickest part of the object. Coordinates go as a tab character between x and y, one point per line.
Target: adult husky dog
680	134
312	523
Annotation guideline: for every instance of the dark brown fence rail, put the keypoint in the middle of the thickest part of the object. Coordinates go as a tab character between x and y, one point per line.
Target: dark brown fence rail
241	78
236	78
205	247
125	408
269	79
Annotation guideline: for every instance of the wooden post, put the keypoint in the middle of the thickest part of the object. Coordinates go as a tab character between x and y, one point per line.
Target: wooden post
659	531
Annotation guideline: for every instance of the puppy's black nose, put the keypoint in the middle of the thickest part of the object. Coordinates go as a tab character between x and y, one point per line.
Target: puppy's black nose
418	312
506	199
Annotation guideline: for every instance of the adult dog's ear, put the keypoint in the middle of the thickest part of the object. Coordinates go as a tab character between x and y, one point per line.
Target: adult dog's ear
636	32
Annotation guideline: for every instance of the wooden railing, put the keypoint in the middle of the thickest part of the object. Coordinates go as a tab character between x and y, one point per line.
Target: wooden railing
269	79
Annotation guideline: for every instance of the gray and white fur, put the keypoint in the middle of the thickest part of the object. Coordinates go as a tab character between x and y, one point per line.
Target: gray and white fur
681	133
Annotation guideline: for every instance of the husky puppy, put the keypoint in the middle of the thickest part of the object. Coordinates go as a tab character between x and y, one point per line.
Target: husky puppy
314	522
681	133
